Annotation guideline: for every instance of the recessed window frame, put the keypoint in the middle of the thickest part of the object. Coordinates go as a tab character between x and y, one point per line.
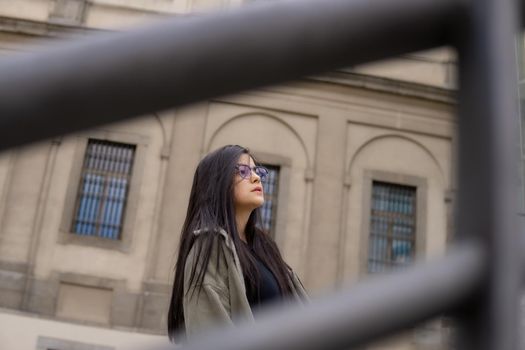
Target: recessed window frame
66	236
420	183
389	222
275	197
284	164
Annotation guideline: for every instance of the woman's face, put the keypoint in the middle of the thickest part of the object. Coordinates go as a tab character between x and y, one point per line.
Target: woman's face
247	192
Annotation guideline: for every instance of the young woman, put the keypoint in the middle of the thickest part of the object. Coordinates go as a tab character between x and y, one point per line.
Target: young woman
227	265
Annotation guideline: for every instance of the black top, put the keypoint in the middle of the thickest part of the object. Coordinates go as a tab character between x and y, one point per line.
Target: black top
268	287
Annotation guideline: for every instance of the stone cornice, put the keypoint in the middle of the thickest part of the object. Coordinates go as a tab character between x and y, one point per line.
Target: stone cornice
344	78
42	29
391	86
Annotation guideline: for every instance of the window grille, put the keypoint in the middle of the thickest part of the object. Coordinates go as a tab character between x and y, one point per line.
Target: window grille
392	226
271	188
103	189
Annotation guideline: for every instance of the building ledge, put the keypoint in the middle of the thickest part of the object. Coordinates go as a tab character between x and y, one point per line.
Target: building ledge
392	86
23	313
340	77
43	29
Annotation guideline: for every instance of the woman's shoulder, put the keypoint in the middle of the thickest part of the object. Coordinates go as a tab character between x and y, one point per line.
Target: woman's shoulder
209	245
214	232
210	231
298	288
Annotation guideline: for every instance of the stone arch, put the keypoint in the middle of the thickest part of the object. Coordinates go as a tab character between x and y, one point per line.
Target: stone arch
418	144
280	121
163	130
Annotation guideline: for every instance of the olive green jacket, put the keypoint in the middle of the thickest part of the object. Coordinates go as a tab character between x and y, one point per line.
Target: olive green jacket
222	298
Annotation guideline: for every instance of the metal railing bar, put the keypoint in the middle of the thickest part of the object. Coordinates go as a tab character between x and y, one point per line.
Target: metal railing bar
521	230
376	307
113	76
487	203
116	76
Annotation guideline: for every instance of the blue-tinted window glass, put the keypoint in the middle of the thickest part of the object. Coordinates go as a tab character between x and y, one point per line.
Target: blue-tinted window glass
392	226
103	189
269	209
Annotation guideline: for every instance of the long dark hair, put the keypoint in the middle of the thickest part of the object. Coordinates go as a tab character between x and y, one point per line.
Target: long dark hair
211	207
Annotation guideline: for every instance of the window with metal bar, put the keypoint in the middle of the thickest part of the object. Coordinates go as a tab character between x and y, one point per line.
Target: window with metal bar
103	189
271	188
392	226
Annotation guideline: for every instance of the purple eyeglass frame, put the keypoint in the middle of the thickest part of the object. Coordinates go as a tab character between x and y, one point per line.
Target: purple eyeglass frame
256	169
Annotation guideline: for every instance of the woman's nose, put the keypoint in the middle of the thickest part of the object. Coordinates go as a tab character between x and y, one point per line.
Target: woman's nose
255	177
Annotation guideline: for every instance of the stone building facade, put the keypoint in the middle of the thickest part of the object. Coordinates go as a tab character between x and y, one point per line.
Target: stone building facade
349	149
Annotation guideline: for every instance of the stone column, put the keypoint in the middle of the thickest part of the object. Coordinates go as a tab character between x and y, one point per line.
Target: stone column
325	222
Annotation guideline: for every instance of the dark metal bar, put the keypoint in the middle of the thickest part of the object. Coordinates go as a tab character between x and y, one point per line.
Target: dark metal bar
112	77
374	308
115	76
487	161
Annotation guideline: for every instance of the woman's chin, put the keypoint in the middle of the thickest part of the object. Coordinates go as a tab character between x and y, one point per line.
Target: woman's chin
258	204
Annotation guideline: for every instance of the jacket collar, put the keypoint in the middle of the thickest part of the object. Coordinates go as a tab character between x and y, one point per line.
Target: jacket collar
227	240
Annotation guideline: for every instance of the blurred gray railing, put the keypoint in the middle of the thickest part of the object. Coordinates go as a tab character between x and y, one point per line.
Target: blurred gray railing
111	77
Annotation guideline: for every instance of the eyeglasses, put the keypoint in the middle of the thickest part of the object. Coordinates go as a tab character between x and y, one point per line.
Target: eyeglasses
246	172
